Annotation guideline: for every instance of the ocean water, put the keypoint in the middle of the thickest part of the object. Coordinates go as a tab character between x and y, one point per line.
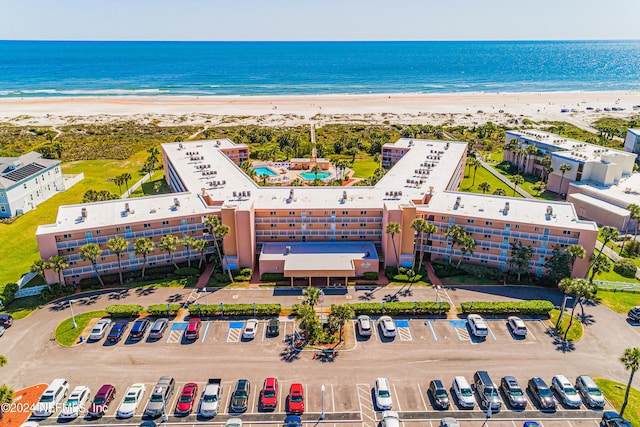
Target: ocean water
30	69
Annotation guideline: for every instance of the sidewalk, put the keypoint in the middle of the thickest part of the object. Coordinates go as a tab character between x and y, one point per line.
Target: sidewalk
613	255
506	180
135	186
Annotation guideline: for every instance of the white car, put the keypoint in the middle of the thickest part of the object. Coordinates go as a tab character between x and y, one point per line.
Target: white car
390	419
478	325
76	402
388	326
364	325
131	401
250	328
566	391
449	422
517	326
382	392
464	393
233	422
99	329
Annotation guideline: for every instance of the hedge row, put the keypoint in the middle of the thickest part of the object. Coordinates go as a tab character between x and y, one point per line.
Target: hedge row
235	310
272	277
161	309
399	308
536	307
370	275
124	310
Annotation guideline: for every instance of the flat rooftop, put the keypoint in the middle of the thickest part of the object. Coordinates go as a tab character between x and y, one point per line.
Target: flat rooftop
599	203
624	193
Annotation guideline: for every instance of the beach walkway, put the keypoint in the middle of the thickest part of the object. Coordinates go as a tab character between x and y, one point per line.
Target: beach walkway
506	180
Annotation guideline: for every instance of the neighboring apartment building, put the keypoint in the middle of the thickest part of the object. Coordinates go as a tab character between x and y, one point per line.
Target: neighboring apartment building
318	232
632	141
27	181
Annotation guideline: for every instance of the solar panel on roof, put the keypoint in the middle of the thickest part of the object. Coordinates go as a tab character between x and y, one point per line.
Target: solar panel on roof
24	172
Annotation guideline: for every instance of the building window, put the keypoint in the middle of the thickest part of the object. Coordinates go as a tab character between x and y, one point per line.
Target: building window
1	194
343	237
274	225
363	212
363	225
536	229
469	221
3	209
485	249
165	222
117	229
67	236
487	236
147	226
71	249
272	213
36	180
98	231
488	223
310	213
343	225
24	186
345	212
517	226
291	225
443	218
566	232
292	213
363	237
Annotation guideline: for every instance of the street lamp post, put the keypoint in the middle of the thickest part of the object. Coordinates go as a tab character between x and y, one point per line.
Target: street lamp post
322	414
564	304
321	298
73	317
206	296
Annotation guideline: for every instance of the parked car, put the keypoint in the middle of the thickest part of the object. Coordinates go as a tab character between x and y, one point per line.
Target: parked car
158	328
6	320
634	314
388	326
211	396
273	327
193	329
364	325
292	421
269	394
101	401
2	330
382	393
296	399
139	328
439	394
464	393
159	400
51	398
233	422
117	331
478	325
76	402
613	419
517	326
390	419
513	392
99	329
591	393
542	393
240	397
187	399
131	401
449	422
250	328
487	390
566	391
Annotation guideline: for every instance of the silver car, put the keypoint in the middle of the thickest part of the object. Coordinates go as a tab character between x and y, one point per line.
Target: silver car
390	419
250	329
364	325
99	329
388	326
158	328
566	391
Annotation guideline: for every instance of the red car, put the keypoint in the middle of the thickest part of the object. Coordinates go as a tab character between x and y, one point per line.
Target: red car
193	329
269	394
101	401
296	399
187	398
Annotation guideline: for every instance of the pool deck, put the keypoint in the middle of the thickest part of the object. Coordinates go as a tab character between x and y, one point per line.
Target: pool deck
284	175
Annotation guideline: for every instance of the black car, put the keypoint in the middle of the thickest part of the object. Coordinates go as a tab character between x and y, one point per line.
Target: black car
273	327
240	397
6	320
613	419
542	393
439	394
634	314
513	392
139	328
116	332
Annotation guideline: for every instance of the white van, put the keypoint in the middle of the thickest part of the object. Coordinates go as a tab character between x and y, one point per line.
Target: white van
464	393
51	398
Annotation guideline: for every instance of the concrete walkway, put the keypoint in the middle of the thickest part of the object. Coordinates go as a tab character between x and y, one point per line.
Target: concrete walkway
506	180
613	255
205	276
135	186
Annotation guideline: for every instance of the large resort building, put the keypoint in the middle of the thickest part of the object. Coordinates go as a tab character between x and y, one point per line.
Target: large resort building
321	234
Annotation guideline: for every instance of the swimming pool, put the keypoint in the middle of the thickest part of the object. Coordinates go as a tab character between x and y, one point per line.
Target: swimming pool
310	176
264	171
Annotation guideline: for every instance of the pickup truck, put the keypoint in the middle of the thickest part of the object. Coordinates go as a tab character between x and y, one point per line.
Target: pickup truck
210	401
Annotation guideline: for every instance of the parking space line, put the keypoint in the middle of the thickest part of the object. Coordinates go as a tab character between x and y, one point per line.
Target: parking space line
253	405
369	406
433	331
333	400
491	332
424	402
395	392
375	330
264	334
206	329
228	400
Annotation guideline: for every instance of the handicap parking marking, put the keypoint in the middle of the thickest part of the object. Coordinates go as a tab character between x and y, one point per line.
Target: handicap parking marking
206	330
404	332
367	410
460	326
235	331
175	333
433	331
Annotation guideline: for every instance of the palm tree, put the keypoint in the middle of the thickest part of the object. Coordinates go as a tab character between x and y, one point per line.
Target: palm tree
456	234
418	225
393	228
429	229
311	296
90	252
143	246
531	150
58	263
499	192
598	265
6	397
308	318
342	314
212	222
467	245
221	232
575	252
168	243
188	242
580	289
634	214
39	267
608	234
342	165
563	168
473	162
546	164
117	245
126	177
517	180
118	180
631	361
200	246
484	186
315	169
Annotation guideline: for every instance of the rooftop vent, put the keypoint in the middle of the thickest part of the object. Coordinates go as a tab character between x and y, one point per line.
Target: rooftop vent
126	208
83	212
287	250
506	208
248	193
235	194
176	202
344	195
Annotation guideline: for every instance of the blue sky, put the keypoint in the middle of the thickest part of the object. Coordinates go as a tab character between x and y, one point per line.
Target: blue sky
319	19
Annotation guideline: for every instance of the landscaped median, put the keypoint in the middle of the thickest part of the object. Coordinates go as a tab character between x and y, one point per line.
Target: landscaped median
400	308
67	335
531	307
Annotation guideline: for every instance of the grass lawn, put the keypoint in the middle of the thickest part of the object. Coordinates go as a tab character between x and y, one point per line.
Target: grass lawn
614	393
483	175
67	335
148	188
363	168
576	331
22	307
18	246
612	276
620	302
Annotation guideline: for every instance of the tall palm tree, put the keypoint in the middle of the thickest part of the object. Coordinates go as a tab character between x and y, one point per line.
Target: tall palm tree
531	150
117	245
598	265
220	232
473	162
456	234
311	296
39	267
467	246
126	177
393	228
342	314
200	246
143	246
575	252
580	289
631	361
499	192
608	234
634	214
91	252
188	242
429	229
212	222
517	180
58	263
315	169
169	243
484	186
418	225
564	168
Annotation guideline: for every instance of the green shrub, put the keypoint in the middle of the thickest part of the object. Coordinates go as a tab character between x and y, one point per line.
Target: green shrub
124	310
241	278
9	293
246	272
405	278
400	308
625	267
533	307
160	310
221	277
236	310
272	277
186	272
370	275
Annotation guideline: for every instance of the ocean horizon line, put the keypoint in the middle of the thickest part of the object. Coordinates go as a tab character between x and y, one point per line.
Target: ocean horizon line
321	41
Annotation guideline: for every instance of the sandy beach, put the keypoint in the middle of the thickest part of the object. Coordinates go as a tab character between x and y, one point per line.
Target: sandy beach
455	108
